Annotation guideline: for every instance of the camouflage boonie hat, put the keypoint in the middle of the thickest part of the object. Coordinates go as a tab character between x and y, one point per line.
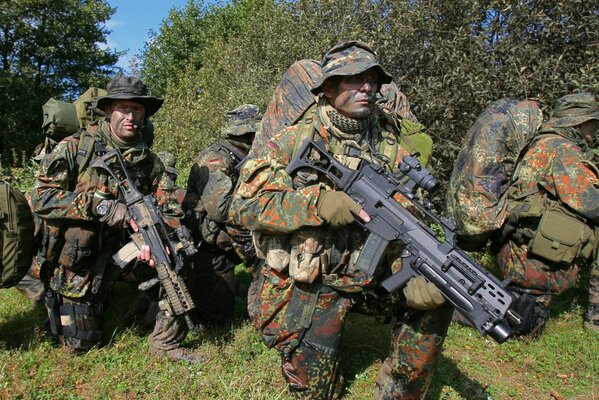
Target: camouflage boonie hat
574	109
350	58
129	88
244	119
169	160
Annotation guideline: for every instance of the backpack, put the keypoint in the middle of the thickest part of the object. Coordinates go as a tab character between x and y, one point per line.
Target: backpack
291	98
62	119
293	102
477	194
16	235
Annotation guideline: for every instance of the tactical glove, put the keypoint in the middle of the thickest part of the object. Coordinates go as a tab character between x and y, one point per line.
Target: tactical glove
113	213
337	208
422	295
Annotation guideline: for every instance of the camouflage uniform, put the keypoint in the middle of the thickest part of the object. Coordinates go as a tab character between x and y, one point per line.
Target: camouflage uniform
556	167
302	315
76	246
210	186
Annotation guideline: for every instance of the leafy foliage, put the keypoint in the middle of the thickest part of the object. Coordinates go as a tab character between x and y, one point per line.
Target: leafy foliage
48	48
451	58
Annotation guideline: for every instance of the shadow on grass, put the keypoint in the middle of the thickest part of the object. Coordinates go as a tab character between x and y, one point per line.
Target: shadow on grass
23	329
448	374
367	341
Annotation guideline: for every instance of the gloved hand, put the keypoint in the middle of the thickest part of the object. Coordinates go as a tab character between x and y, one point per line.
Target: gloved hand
337	208
422	295
117	214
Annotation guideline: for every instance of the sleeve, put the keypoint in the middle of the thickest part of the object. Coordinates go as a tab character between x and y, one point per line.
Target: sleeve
165	191
266	200
53	197
576	182
211	177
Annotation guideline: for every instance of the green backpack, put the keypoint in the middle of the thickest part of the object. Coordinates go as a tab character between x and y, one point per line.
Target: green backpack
62	119
16	236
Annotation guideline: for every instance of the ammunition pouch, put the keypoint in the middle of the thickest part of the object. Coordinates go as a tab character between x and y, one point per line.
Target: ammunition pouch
52	241
551	231
308	260
78	246
274	249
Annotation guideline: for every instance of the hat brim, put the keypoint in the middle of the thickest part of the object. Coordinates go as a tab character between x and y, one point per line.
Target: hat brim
151	104
383	76
242	129
564	122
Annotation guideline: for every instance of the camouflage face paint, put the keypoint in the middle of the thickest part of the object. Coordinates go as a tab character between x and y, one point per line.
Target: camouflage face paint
354	95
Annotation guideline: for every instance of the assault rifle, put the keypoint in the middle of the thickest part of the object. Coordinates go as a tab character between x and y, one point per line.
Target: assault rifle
165	248
478	295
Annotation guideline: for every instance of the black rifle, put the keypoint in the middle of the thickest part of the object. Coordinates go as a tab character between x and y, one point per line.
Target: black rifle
478	295
165	248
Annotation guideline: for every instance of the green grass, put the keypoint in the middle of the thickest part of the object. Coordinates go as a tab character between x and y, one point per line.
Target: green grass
563	364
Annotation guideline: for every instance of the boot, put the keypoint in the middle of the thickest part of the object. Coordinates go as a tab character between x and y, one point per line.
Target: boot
165	341
591	318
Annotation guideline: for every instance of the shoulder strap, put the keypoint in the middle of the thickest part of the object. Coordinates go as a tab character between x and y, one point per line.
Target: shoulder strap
88	145
306	128
232	150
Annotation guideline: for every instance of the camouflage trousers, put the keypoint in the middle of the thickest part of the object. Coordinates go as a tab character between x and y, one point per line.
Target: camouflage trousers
304	322
211	282
592	314
532	275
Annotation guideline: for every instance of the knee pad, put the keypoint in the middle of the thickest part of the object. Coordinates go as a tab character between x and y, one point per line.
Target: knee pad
78	324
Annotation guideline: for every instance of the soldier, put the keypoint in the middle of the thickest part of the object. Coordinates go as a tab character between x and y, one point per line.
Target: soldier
84	221
305	233
552	204
210	186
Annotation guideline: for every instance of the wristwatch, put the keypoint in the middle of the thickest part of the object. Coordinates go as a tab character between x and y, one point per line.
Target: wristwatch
102	208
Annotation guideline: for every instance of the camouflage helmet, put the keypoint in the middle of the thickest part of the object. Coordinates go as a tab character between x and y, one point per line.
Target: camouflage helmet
129	88
244	119
349	58
574	109
169	160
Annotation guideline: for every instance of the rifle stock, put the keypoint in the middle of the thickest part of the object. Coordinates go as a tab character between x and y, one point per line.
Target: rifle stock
152	232
478	295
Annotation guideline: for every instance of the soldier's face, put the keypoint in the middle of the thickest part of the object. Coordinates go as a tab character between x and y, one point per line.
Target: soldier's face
353	96
588	130
125	118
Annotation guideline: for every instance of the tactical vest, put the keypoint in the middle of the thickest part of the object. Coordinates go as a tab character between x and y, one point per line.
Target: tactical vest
411	137
312	252
73	244
549	229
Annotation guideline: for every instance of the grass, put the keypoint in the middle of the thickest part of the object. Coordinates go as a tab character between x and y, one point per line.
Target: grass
563	364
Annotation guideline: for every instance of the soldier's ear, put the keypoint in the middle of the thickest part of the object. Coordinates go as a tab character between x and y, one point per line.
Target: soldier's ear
327	89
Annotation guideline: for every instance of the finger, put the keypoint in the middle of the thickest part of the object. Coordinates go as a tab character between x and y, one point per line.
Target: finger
133	225
146	253
363	215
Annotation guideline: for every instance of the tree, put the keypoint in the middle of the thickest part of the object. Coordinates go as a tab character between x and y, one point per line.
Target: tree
48	48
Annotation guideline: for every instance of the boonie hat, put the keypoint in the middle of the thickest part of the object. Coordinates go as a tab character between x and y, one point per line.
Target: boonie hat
350	58
130	88
243	119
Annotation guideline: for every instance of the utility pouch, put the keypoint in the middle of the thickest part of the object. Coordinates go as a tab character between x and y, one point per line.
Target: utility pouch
52	242
79	241
306	263
274	249
560	235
